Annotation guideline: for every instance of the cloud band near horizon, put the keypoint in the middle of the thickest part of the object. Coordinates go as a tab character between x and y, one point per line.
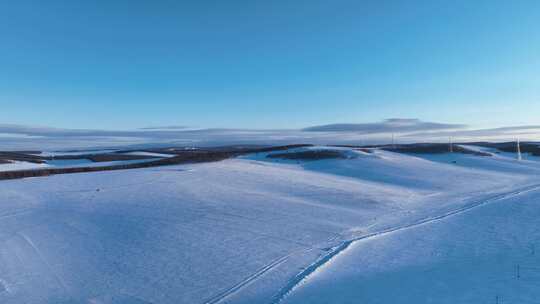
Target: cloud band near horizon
16	137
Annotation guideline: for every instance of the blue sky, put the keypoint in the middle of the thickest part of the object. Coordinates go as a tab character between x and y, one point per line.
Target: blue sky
268	64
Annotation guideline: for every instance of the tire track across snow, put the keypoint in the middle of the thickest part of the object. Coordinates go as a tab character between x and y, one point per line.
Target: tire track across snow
223	295
301	277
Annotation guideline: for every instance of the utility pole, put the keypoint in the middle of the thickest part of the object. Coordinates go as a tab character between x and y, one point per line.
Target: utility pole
519	158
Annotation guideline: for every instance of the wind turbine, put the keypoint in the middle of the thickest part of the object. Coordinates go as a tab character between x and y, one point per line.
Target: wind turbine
519	158
450	144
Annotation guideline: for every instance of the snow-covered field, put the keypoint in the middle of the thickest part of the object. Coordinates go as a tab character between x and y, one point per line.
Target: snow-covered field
82	162
21	165
373	228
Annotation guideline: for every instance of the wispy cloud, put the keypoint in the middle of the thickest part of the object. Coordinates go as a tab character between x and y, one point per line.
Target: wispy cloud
18	137
531	132
387	126
164	128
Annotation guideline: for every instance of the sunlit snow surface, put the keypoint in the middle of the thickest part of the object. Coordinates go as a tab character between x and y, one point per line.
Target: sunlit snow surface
21	165
81	162
254	230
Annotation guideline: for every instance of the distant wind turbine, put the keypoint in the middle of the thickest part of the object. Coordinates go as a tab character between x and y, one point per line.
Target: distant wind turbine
519	158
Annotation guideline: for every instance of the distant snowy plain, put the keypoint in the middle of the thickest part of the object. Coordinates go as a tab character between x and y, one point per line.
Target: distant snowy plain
376	227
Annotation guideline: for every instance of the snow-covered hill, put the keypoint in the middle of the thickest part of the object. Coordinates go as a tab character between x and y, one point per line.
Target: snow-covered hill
265	230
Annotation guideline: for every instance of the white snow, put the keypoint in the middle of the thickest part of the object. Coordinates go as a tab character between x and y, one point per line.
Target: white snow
500	154
79	152
485	255
259	230
65	163
21	165
153	154
71	163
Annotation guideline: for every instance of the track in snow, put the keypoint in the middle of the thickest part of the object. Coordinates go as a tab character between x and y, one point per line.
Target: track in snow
221	296
300	278
51	269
